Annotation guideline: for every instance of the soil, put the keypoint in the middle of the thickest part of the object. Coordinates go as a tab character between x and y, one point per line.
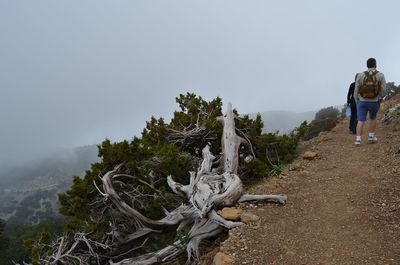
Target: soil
343	207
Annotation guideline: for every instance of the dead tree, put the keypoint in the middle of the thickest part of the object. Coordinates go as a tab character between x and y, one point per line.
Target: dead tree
206	192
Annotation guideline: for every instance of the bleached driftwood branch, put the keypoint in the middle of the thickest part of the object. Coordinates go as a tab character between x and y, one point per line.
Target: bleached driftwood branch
65	251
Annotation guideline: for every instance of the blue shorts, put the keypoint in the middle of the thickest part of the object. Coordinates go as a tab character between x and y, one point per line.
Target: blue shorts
363	107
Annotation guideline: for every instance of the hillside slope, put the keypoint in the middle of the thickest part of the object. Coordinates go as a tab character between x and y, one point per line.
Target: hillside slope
343	207
29	192
283	121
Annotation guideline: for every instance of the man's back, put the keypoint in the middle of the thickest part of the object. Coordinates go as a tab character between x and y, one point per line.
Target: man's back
360	79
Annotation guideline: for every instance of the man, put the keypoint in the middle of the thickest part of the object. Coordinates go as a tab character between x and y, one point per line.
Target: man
353	107
368	92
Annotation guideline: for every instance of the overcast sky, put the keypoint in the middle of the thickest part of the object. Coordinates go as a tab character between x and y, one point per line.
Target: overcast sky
75	72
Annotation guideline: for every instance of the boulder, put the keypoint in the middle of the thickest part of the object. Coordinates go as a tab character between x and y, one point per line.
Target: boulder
223	259
232	214
310	155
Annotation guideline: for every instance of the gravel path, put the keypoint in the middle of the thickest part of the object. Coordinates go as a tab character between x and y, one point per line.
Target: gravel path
343	207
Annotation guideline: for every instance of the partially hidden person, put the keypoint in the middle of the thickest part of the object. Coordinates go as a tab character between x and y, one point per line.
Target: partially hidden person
369	90
351	102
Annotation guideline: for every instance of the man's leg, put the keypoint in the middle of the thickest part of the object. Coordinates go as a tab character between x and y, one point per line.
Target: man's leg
360	126
361	117
372	126
353	118
373	110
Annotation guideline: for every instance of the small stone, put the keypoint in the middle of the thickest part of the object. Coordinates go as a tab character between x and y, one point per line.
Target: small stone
293	167
309	155
249	217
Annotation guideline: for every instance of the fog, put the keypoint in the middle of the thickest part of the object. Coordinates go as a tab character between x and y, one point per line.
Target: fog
76	72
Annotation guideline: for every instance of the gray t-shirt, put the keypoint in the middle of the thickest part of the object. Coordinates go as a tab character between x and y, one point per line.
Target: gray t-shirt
360	77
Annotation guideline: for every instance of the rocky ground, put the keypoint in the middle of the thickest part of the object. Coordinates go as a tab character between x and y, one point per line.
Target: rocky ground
343	205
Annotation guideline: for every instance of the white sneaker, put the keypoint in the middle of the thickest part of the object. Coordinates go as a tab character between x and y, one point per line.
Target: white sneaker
357	142
372	139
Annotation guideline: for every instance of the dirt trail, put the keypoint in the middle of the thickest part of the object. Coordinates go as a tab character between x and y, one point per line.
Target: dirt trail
343	207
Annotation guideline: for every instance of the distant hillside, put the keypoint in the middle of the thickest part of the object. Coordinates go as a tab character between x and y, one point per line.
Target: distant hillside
283	121
28	193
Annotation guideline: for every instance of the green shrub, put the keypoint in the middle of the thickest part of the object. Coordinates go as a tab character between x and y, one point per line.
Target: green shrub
325	120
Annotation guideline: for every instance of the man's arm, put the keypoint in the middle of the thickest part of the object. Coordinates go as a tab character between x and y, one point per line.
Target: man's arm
383	87
356	87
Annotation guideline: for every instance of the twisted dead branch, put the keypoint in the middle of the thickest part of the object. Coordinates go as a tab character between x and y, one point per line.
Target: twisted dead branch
206	192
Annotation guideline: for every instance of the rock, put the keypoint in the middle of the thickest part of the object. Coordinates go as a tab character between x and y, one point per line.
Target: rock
324	138
283	176
223	259
293	167
391	113
232	214
323	133
249	217
309	155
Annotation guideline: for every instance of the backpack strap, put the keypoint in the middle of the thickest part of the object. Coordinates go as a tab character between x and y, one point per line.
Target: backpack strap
373	72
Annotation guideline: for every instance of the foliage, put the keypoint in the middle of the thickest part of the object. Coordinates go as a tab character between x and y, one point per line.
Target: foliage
391	90
343	111
165	149
18	237
325	120
302	130
327	113
3	239
37	246
276	170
